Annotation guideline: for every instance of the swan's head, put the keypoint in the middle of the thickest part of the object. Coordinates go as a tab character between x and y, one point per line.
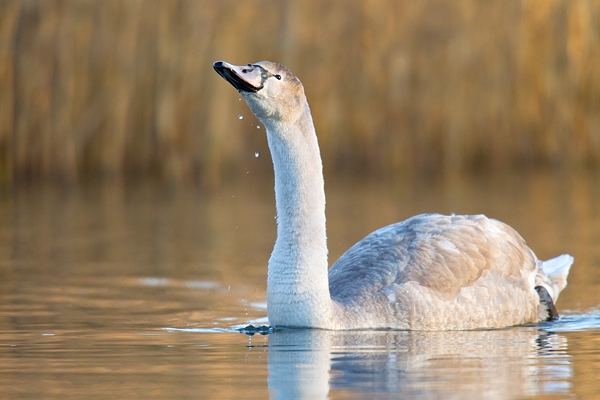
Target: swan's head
272	92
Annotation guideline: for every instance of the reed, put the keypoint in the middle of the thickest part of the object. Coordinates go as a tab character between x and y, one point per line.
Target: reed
125	88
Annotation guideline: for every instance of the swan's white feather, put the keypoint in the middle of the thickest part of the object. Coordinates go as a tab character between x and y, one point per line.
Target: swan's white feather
455	272
430	272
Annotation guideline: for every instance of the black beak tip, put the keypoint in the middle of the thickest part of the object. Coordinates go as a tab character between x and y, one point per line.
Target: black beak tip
218	66
221	69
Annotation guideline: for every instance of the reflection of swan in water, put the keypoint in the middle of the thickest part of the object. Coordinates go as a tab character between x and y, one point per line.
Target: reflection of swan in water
430	272
493	364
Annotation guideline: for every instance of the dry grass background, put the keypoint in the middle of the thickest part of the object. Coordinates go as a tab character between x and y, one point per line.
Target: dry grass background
125	88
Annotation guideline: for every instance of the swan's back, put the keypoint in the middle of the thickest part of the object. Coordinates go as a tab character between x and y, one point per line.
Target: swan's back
438	272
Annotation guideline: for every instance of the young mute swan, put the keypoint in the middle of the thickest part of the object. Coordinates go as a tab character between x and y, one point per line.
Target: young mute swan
430	272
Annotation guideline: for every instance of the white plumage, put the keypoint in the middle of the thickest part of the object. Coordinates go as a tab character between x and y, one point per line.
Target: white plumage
430	272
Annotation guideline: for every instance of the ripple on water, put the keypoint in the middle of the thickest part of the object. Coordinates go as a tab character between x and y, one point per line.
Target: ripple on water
576	322
200	330
567	323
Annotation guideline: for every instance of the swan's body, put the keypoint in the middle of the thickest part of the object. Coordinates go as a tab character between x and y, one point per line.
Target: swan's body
430	272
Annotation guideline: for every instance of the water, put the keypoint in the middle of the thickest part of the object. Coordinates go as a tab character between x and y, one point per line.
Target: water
140	291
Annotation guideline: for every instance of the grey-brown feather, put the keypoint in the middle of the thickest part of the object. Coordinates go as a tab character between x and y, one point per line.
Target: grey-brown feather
442	253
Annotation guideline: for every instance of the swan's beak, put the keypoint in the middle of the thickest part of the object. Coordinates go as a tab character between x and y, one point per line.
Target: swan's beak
247	78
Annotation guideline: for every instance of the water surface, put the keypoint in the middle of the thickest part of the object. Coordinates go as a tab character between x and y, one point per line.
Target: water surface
137	291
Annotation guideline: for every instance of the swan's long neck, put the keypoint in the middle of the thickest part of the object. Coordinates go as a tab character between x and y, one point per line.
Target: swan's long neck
297	285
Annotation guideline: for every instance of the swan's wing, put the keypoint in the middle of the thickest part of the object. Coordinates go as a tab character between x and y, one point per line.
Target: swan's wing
442	253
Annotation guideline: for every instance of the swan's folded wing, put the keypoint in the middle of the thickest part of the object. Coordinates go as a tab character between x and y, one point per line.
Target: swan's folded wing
442	253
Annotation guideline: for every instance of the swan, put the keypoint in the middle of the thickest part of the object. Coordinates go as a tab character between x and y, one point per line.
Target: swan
429	272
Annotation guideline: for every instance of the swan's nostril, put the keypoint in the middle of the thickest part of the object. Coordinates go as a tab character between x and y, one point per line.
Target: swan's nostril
246	70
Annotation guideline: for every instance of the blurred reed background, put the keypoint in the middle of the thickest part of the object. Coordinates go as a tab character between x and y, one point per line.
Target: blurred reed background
125	88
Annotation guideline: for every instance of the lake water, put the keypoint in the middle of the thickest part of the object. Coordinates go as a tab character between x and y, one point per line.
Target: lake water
137	291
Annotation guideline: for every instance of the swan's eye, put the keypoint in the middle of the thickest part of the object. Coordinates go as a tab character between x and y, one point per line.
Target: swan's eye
278	77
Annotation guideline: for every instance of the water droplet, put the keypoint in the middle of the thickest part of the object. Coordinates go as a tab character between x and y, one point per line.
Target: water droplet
256	154
240	116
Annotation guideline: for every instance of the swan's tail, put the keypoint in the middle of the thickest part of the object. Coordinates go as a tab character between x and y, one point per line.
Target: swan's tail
552	274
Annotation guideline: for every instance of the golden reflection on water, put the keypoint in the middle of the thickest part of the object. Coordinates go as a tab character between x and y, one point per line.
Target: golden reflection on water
92	276
495	364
